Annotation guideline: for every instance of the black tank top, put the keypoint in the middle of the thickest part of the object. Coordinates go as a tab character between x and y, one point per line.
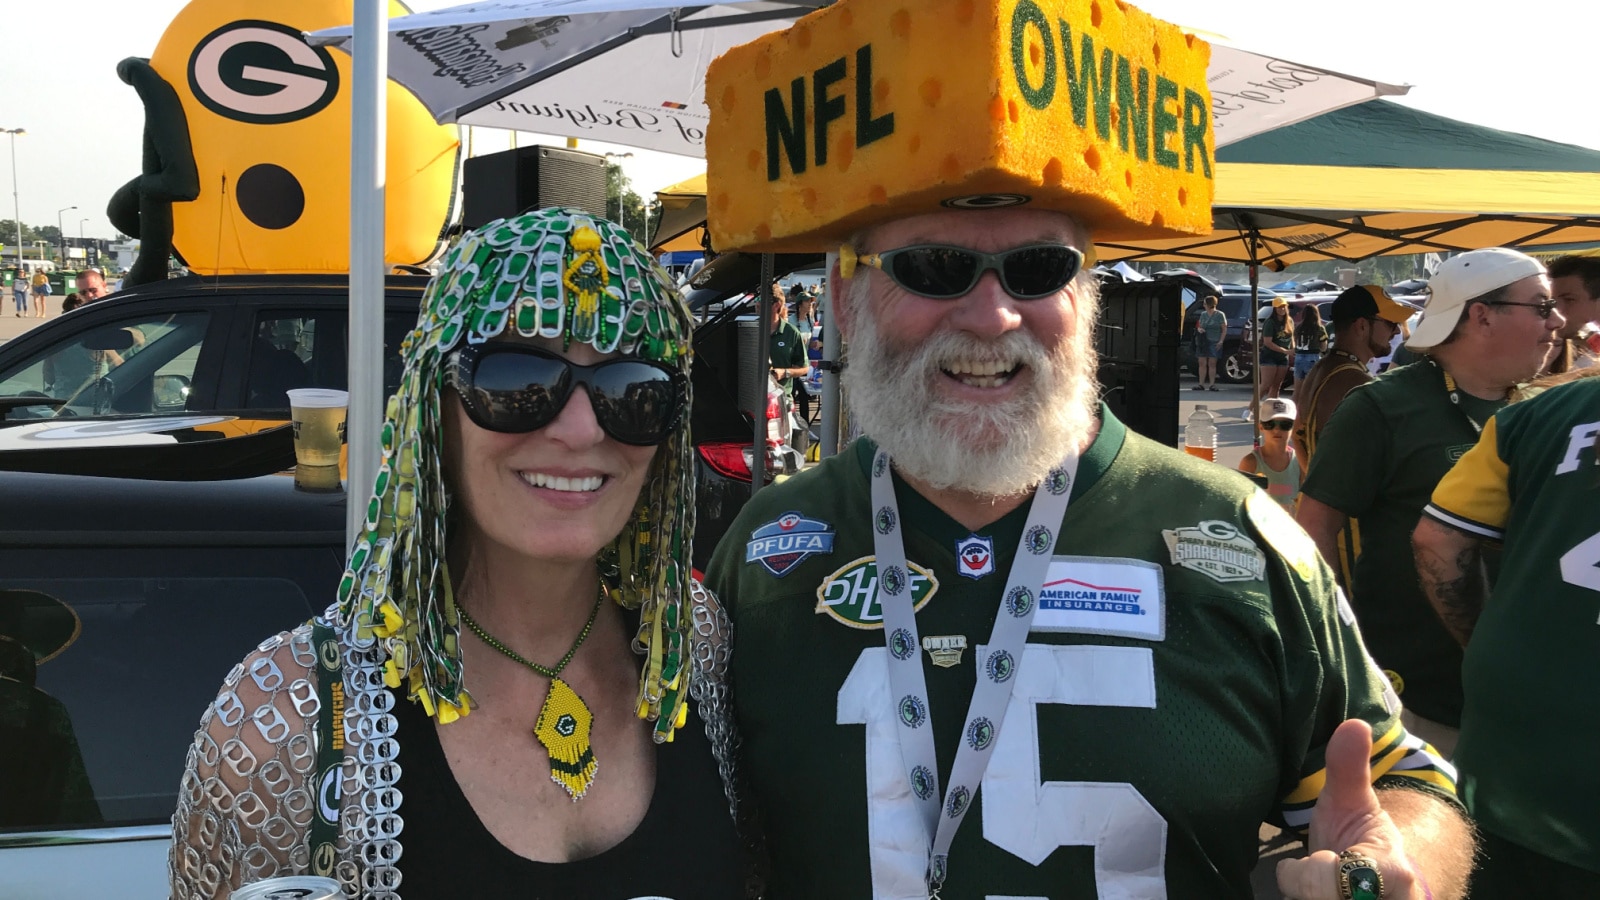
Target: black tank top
685	848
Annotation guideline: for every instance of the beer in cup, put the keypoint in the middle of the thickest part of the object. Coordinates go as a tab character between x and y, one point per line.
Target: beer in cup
318	415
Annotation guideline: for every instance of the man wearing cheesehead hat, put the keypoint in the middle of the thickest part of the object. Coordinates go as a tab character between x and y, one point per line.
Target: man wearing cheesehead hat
1489	324
1003	646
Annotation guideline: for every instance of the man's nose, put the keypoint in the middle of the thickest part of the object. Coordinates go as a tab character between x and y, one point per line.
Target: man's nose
986	311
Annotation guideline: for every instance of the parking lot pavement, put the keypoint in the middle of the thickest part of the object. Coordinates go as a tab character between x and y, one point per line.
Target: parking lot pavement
11	326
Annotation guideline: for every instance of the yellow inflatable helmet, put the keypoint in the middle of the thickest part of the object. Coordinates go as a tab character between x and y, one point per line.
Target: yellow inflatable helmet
267	120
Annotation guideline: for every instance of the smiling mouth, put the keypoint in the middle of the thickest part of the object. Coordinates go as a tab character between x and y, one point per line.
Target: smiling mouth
982	374
585	485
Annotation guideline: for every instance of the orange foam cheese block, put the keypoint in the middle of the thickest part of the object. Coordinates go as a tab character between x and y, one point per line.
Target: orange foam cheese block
867	110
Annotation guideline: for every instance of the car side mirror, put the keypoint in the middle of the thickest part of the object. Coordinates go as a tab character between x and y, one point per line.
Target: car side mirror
108	339
170	393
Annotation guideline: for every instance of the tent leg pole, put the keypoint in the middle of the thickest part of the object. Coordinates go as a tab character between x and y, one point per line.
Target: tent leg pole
1259	332
830	377
758	448
368	130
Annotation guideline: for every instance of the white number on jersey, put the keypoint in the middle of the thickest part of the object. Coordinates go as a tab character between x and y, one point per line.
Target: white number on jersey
1581	565
1022	814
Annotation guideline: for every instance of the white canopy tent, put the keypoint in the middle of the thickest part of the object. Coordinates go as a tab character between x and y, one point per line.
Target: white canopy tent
631	72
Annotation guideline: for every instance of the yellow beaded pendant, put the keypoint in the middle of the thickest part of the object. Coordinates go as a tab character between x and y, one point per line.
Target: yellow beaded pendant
563	729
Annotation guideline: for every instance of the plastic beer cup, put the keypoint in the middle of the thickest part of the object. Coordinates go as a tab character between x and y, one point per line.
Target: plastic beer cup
319	417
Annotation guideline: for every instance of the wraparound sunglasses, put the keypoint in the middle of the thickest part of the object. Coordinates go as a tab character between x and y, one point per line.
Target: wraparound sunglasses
515	389
944	272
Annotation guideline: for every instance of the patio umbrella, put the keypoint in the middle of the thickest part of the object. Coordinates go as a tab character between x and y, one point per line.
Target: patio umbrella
622	71
628	72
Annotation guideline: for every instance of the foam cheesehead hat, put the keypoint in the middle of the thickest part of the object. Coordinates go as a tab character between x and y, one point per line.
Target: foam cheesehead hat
555	273
1366	301
1462	279
864	112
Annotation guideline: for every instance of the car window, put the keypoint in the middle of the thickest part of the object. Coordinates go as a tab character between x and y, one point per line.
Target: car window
141	364
97	732
307	348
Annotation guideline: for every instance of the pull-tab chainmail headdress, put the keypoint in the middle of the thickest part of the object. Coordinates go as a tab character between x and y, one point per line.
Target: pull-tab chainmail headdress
552	273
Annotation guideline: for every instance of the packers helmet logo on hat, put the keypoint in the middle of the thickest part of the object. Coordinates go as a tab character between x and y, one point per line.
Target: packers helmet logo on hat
261	72
986	201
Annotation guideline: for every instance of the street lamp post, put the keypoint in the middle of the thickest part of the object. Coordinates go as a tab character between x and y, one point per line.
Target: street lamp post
61	232
16	205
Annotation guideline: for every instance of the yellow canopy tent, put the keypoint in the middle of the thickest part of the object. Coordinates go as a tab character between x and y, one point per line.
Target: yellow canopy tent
1379	179
681	225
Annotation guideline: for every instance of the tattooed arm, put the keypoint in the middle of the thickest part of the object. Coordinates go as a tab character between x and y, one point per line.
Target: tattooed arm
1449	566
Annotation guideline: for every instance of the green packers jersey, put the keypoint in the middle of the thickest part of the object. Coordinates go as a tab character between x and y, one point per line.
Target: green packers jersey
1378	461
1533	481
1185	667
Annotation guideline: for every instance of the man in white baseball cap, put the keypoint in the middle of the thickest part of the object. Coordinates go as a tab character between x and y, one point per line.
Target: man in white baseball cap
1488	326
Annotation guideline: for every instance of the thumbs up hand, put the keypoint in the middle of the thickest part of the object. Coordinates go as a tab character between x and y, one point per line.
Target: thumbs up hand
1348	818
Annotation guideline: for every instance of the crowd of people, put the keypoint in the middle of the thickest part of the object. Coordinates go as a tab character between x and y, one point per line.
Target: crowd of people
91	285
1457	488
999	646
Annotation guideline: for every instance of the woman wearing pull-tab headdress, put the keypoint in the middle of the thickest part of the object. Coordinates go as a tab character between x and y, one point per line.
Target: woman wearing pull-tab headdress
498	704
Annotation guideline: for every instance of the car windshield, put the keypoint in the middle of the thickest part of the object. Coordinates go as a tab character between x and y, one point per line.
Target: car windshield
140	365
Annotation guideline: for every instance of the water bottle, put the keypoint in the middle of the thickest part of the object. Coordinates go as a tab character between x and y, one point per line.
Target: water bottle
1200	435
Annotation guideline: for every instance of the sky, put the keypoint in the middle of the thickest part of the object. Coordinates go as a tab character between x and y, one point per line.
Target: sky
1530	73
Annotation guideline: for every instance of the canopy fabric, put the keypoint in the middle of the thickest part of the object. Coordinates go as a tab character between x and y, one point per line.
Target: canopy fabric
1379	179
632	72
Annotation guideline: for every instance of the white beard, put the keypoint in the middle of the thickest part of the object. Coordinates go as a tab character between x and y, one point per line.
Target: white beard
992	449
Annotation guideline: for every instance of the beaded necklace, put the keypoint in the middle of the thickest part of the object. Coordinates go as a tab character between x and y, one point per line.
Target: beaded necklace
564	720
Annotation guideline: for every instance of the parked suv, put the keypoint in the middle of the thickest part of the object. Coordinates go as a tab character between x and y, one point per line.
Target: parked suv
234	344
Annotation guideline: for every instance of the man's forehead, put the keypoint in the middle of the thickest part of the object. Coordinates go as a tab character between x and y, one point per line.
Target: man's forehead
979	229
1534	287
1572	285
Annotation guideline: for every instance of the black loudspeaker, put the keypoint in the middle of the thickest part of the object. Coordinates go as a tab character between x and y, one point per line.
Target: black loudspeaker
511	182
1138	344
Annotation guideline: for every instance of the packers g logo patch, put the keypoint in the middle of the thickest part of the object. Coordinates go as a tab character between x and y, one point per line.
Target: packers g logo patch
850	595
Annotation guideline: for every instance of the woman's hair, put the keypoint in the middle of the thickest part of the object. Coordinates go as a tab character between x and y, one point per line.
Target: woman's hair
1210	300
1310	312
552	273
71	302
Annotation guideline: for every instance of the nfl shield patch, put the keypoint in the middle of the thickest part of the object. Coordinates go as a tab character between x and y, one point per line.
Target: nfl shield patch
783	543
975	556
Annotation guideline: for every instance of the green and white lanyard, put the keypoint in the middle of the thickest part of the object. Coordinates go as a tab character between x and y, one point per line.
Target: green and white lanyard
942	812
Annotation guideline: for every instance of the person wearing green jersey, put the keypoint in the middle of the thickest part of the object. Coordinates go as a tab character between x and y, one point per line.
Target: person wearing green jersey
1002	646
1487	327
1531	485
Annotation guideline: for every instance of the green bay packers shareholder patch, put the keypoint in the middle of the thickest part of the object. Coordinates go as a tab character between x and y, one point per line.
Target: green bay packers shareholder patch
850	594
1217	550
1283	534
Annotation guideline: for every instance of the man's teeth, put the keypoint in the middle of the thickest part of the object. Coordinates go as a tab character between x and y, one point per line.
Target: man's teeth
577	485
982	374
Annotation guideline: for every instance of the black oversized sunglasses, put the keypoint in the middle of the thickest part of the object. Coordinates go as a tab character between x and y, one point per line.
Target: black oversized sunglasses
943	272
515	389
